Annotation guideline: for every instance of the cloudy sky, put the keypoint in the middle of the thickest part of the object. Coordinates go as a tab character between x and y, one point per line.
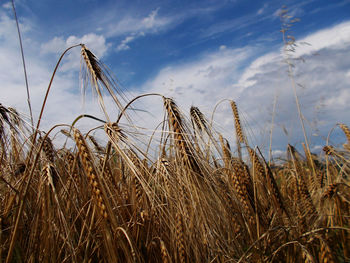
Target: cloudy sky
200	53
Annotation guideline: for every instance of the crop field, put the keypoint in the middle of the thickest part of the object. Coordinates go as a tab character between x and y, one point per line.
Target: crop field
192	198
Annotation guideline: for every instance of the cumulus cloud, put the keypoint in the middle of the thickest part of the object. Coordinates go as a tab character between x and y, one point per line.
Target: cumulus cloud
11	70
205	76
247	75
96	43
64	101
336	37
321	82
55	45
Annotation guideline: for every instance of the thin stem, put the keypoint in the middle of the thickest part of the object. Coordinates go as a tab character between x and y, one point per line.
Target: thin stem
136	98
272	126
24	65
291	76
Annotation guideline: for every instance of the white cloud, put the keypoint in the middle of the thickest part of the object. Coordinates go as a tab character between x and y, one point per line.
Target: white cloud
55	45
210	71
64	101
293	11
7	5
138	28
96	43
262	9
200	83
257	67
336	37
323	75
218	76
152	23
348	74
124	44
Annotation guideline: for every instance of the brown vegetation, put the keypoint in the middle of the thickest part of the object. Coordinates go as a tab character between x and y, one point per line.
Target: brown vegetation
192	200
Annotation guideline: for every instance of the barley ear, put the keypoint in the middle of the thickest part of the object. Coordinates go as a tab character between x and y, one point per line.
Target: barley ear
346	131
240	138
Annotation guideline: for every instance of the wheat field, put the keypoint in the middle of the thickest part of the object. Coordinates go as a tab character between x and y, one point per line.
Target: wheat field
192	198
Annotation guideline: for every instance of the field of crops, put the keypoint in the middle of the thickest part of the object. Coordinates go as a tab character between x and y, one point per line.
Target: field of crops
192	197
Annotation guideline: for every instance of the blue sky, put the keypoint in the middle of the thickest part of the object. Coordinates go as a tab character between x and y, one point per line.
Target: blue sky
198	52
145	36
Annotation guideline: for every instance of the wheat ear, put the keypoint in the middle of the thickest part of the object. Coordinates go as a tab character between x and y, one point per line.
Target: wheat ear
164	252
240	138
181	140
245	194
302	189
198	119
346	131
180	238
268	175
90	170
